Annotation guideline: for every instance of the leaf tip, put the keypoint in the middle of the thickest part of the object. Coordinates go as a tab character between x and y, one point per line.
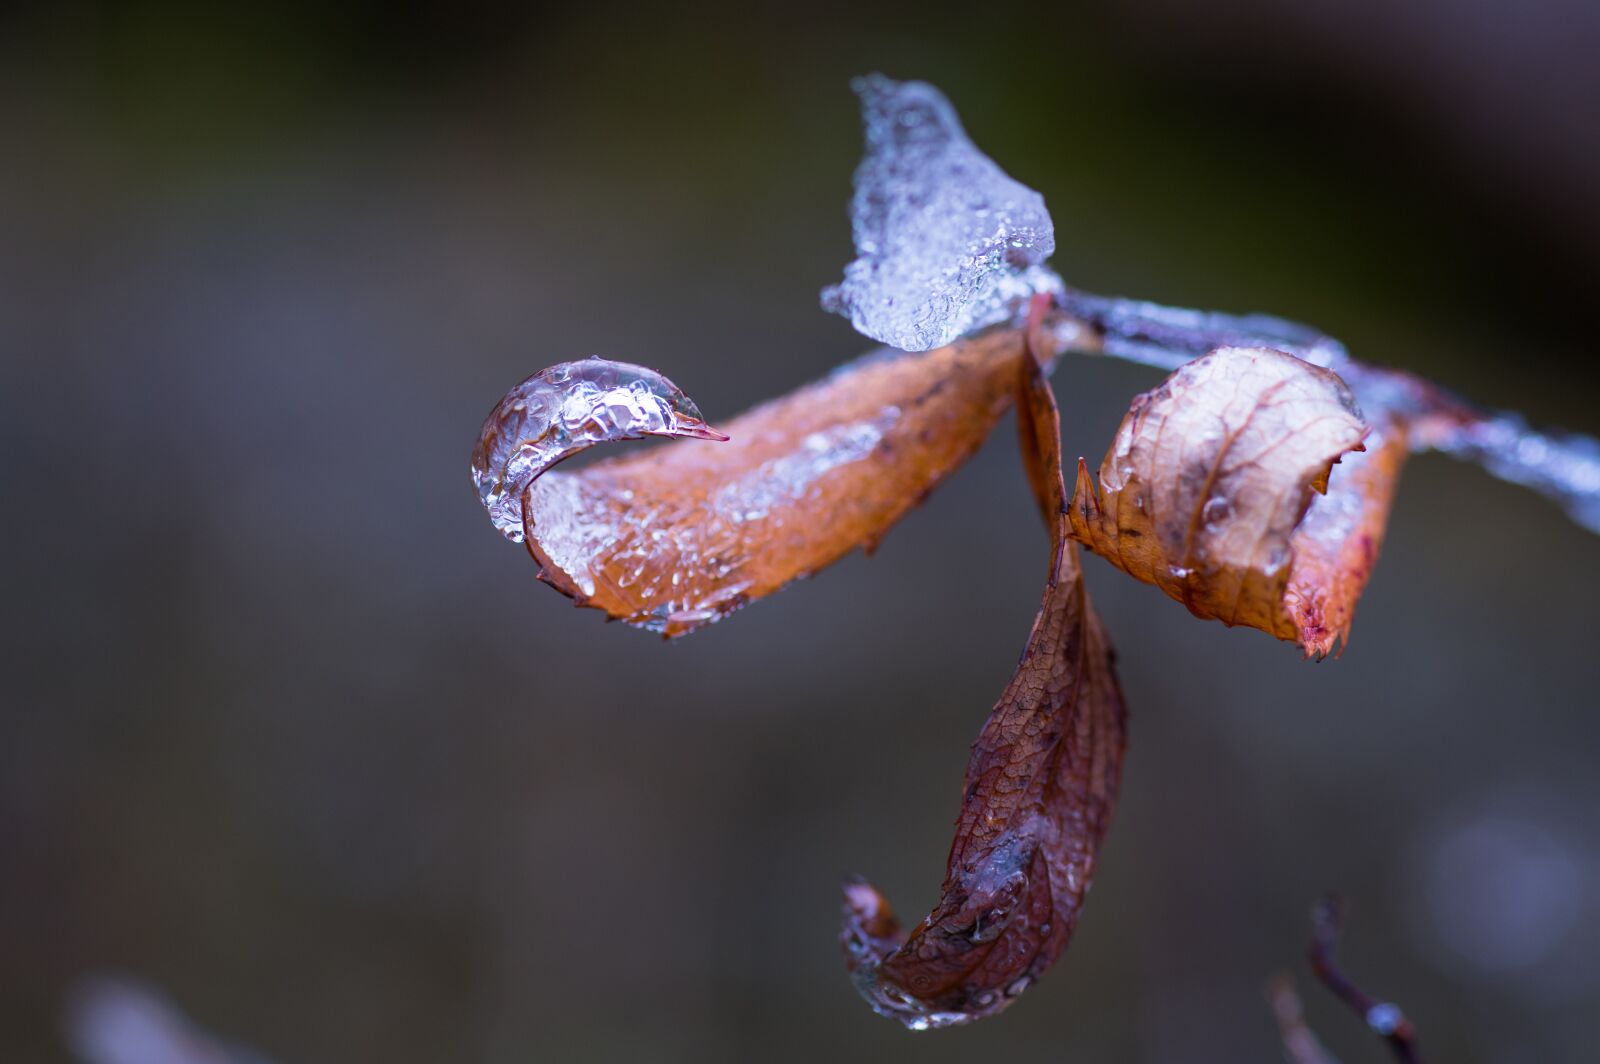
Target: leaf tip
694	427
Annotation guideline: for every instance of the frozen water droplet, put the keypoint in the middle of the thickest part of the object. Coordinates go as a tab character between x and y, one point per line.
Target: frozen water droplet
561	410
1216	512
946	242
1385	1018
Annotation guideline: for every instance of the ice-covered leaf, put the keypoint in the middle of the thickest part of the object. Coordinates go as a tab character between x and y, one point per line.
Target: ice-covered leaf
945	240
1206	489
1040	788
565	409
673	538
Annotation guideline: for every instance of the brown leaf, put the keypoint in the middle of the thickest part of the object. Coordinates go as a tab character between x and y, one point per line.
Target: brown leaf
1205	493
679	536
1336	544
1040	788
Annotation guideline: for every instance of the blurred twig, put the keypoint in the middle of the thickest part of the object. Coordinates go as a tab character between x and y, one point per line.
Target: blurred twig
120	1020
1300	1045
1385	1018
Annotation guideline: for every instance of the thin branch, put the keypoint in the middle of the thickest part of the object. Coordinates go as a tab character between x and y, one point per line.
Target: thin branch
1300	1044
1140	331
1562	466
1384	1017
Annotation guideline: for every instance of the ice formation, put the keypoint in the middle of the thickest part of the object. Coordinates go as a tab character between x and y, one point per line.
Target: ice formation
558	412
945	241
1562	466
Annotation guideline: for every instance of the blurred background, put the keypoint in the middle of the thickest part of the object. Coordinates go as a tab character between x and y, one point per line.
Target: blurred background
289	733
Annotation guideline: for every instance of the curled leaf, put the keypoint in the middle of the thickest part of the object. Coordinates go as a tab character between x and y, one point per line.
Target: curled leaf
1040	788
679	536
1335	547
1208	480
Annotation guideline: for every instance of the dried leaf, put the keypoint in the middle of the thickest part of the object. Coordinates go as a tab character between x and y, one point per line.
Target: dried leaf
1040	788
1335	547
679	536
1205	488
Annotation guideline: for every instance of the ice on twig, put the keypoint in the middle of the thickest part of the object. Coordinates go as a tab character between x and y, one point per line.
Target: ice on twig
946	242
1562	466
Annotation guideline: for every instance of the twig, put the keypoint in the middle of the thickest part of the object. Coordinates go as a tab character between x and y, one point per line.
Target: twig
1384	1017
1300	1045
1562	466
1166	337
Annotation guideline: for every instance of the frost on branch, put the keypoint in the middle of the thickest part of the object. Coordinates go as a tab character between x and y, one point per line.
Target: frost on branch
1040	788
1207	493
1562	466
945	240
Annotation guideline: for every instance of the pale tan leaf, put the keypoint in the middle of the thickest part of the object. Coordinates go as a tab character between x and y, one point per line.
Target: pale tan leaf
1208	480
1334	549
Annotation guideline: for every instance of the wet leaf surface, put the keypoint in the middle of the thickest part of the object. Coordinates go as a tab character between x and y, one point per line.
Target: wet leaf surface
1336	545
1040	788
673	538
1207	485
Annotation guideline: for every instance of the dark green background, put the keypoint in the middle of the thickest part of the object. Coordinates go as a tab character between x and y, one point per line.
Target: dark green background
290	733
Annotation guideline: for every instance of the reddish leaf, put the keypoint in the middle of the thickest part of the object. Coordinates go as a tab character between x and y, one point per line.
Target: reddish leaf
1336	544
681	535
1205	493
1040	788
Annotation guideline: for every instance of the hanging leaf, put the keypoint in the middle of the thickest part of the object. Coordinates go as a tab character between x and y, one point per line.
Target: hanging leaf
1040	788
1335	547
1209	479
1247	487
679	536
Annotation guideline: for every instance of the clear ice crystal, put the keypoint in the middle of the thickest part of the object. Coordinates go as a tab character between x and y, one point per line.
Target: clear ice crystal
1564	467
562	410
945	241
